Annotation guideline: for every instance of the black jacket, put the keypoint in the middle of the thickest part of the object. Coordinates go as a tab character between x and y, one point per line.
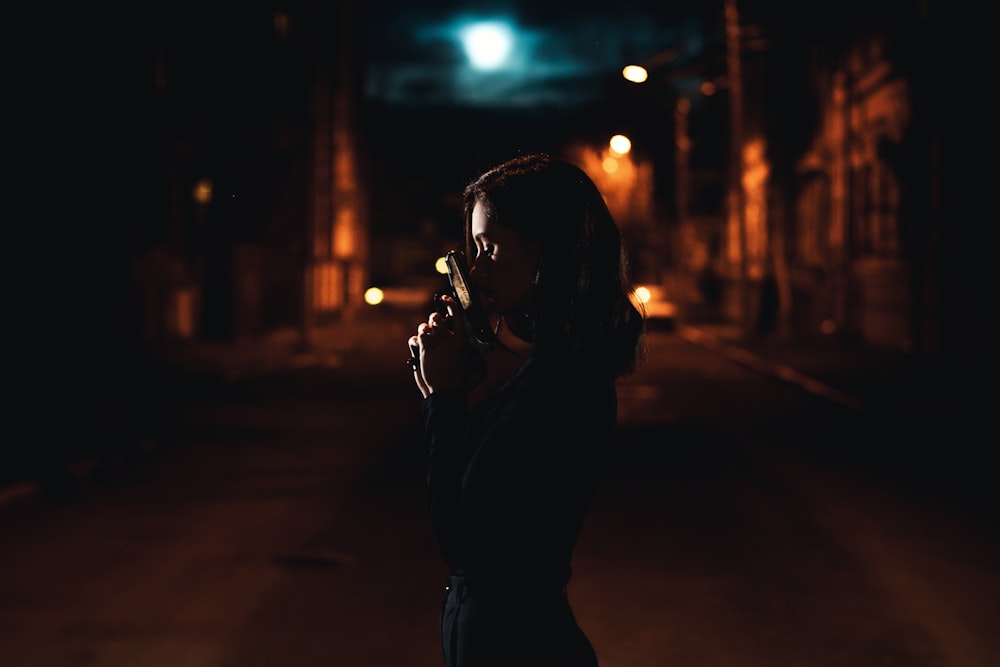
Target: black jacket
510	481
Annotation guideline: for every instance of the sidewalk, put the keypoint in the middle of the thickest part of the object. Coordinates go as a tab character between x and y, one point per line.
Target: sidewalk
856	375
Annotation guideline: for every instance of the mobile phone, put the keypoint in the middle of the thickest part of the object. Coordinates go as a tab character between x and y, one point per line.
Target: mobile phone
477	324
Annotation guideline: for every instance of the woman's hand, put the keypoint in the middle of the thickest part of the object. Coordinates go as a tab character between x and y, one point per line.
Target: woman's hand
440	350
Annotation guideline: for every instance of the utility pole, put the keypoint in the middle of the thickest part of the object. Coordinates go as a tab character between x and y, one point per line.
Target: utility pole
737	196
682	149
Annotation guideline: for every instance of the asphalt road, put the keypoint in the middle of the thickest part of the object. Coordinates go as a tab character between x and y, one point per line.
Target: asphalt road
278	521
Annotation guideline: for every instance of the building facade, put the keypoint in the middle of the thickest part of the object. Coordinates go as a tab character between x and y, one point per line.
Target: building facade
840	216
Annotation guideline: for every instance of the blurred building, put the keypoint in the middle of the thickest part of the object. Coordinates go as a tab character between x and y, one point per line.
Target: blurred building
804	185
258	187
830	205
186	172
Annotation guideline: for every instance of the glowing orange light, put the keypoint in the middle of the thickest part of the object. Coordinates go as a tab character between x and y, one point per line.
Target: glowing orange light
202	191
328	286
185	313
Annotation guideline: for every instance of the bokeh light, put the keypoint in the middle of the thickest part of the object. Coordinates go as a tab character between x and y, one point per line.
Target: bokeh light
487	44
635	73
374	296
620	144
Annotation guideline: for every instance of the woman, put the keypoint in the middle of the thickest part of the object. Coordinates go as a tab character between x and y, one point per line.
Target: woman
510	477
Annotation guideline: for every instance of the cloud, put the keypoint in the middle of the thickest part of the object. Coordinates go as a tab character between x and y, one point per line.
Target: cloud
416	57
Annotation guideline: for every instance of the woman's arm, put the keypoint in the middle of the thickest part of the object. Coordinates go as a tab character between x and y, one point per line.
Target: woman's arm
445	415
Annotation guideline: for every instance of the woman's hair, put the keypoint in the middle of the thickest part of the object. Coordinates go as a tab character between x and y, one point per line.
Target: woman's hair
583	289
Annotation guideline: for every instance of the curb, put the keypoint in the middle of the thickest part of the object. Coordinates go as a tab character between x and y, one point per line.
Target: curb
741	356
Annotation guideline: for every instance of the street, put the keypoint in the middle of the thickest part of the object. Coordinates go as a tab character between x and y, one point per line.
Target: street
278	521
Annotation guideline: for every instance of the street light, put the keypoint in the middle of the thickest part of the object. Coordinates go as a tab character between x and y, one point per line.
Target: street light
635	73
620	144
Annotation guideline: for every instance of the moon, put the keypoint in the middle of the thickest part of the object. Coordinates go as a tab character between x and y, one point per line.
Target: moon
487	44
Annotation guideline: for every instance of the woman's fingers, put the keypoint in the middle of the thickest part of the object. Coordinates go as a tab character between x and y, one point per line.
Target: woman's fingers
438	320
455	315
439	362
436	330
414	345
418	376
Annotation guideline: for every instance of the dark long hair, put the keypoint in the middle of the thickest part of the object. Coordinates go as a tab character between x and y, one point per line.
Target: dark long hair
584	283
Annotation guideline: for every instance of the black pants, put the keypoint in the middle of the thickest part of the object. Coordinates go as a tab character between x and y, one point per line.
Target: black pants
511	625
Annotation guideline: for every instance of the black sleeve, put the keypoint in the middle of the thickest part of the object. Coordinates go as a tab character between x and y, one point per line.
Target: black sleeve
445	415
515	496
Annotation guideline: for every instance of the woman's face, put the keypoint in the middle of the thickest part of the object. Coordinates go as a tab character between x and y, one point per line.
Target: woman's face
504	268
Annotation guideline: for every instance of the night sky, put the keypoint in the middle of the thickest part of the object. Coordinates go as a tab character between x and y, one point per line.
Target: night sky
433	120
557	58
